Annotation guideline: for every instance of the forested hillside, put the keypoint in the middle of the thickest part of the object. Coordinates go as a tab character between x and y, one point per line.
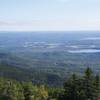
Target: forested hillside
41	66
48	57
35	75
86	87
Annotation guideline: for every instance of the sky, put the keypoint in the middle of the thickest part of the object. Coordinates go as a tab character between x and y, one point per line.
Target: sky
49	15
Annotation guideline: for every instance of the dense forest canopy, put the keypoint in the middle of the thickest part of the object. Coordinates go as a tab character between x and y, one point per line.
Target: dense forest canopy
86	87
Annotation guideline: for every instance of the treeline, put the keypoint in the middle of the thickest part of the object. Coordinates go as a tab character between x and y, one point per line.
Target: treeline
86	87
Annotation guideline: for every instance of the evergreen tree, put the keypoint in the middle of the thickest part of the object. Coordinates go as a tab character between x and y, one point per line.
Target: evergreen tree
84	88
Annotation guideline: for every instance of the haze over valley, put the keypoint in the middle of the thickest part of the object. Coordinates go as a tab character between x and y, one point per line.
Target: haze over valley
51	53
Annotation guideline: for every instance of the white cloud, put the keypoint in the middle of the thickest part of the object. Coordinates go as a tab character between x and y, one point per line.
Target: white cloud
14	23
47	25
15	26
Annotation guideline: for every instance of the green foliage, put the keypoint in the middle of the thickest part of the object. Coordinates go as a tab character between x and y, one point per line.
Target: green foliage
10	90
14	90
86	87
54	93
37	76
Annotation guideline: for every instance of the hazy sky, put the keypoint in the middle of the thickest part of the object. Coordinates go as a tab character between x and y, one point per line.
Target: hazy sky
49	15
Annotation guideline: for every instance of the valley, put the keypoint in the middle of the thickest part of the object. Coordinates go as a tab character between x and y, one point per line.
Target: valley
48	58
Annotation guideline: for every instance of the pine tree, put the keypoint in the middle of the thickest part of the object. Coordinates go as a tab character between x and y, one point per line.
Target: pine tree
88	84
